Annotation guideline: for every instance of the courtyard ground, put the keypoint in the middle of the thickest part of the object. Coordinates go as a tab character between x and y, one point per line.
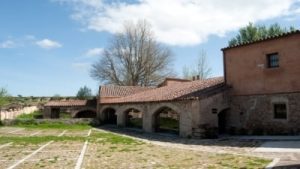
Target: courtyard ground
98	148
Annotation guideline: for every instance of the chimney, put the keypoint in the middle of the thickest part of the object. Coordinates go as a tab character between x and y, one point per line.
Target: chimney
198	77
193	78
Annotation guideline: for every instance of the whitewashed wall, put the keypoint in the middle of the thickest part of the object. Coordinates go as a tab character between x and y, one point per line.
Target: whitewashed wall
13	113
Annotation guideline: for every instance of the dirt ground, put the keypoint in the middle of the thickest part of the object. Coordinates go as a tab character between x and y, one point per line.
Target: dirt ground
93	149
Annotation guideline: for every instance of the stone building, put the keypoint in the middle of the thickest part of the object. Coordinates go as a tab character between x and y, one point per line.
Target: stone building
265	85
70	108
193	104
259	94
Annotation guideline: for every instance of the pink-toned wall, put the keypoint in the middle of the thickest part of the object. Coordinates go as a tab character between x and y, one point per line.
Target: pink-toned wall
246	67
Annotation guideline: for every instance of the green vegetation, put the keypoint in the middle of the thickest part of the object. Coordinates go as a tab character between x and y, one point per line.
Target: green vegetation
31	121
135	122
96	137
252	33
37	139
103	137
51	125
33	115
65	115
3	97
168	123
84	93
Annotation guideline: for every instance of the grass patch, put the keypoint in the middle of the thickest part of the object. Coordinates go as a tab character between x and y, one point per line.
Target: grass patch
55	125
101	137
96	137
38	140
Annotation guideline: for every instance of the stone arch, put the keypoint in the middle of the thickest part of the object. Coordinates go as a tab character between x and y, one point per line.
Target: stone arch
109	115
166	118
133	117
86	113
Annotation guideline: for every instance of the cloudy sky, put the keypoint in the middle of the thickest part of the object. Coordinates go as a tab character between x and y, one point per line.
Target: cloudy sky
47	46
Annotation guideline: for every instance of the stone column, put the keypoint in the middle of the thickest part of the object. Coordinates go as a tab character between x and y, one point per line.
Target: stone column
147	121
121	119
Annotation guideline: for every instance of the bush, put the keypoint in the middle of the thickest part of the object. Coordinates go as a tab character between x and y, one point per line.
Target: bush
33	115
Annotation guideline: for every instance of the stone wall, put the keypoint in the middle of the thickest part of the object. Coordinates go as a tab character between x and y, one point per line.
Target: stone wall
73	111
254	114
13	113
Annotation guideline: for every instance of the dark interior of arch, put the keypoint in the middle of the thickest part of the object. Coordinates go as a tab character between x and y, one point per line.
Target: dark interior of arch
134	118
110	116
166	121
86	114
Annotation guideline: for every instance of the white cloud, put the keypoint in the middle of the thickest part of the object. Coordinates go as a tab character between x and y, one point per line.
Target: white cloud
48	44
7	44
94	52
178	22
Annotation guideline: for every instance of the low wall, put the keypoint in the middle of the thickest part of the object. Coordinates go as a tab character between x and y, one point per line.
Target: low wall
13	113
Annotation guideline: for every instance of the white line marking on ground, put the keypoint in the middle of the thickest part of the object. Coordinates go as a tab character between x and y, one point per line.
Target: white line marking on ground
61	134
81	156
273	163
33	134
15	131
30	155
89	133
5	145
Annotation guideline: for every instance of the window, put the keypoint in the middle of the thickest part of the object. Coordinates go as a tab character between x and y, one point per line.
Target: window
273	60
280	111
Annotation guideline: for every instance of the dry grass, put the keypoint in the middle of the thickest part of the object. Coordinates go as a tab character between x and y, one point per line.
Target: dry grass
108	150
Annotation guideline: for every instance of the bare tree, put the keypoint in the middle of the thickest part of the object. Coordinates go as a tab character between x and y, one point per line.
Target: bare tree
133	58
201	68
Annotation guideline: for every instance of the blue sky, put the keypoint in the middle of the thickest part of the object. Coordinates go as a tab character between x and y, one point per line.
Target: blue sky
47	46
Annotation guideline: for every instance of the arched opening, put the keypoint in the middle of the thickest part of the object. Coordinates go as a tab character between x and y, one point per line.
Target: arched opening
222	121
166	120
134	118
86	114
109	116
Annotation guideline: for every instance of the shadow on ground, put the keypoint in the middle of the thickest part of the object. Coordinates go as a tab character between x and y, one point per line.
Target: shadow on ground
295	166
171	138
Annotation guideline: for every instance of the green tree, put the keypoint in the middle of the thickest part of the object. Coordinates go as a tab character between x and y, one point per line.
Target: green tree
3	97
255	32
56	97
84	93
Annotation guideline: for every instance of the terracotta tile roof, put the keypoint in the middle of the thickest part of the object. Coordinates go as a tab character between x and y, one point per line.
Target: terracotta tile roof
113	91
264	39
67	103
168	93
